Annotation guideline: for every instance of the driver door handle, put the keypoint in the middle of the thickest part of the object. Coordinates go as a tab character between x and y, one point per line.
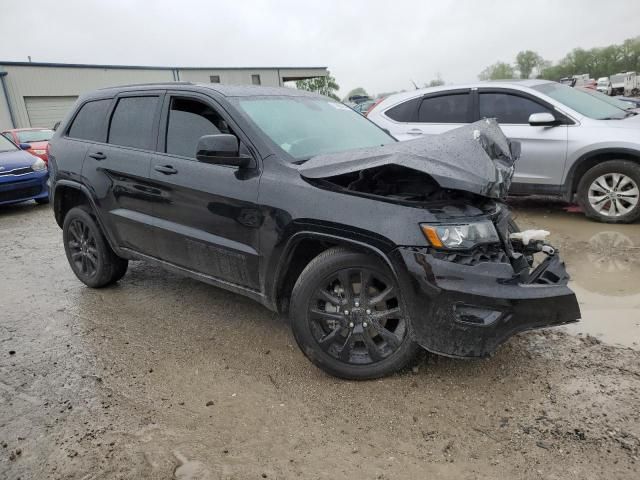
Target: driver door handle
414	131
166	169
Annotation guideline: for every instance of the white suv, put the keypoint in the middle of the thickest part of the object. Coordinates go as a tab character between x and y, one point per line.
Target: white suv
574	145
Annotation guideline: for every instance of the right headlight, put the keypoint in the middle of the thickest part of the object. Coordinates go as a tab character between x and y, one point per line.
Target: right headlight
460	236
38	165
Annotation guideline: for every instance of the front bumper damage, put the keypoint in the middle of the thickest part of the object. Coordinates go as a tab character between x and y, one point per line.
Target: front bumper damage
461	303
470	310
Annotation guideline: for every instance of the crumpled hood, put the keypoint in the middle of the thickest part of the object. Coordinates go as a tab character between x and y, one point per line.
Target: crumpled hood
476	158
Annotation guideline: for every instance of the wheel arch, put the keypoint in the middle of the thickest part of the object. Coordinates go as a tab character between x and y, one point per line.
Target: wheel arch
69	194
66	195
589	160
303	247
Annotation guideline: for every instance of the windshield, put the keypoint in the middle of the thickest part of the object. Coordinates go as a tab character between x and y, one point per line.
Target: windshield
610	100
305	127
581	102
6	145
29	136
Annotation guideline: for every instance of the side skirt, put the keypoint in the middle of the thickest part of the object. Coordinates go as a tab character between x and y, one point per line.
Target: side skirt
216	282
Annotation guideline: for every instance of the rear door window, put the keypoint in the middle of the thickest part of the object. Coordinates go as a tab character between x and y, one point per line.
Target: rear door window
91	121
132	122
189	120
452	108
507	108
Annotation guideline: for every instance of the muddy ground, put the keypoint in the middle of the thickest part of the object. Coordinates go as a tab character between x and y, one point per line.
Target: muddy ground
164	377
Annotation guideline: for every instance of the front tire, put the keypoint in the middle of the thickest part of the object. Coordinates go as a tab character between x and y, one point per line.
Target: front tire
610	192
88	252
348	330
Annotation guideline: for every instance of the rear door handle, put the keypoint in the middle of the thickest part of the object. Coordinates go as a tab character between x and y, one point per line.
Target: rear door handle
166	169
98	156
414	131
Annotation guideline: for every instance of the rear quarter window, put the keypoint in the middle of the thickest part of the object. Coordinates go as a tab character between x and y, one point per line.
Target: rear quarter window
90	123
404	112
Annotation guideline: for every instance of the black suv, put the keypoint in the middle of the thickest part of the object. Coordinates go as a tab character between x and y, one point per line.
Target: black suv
374	248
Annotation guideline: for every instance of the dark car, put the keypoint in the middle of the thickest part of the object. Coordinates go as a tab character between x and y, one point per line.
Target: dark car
374	248
22	176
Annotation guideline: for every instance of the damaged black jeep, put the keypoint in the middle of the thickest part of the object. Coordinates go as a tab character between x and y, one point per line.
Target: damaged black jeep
374	248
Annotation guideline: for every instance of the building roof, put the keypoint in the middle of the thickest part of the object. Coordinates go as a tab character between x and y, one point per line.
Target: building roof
150	67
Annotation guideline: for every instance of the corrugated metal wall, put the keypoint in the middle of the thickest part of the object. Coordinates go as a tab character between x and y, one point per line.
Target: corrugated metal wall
35	81
24	81
235	77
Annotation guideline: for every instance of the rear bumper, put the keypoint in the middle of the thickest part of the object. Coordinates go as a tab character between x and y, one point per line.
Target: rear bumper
469	311
15	189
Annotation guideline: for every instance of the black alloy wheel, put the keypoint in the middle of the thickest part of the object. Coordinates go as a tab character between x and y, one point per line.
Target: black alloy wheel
88	252
356	317
82	248
349	318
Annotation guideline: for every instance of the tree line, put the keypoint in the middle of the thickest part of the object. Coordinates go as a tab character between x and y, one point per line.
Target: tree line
597	62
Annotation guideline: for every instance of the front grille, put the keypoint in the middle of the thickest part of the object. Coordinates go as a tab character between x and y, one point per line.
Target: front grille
20	193
16	171
480	254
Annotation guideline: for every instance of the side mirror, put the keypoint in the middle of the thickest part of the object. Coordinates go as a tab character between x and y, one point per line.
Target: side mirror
24	146
542	120
221	149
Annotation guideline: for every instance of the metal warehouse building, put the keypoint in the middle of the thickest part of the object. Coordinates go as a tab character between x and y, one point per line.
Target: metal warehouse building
40	94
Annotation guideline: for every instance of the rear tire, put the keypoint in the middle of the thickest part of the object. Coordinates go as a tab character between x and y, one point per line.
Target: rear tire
610	192
373	339
88	252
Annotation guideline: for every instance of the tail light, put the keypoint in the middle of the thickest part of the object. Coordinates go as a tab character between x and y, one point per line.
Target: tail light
48	152
373	105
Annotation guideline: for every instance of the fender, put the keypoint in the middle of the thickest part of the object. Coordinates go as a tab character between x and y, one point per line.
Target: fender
571	181
287	253
96	211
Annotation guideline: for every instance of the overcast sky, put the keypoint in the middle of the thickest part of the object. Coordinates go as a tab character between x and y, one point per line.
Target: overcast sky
380	45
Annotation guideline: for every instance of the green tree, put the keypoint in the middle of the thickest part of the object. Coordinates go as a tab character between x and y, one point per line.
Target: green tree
597	62
527	61
356	91
323	85
436	82
497	71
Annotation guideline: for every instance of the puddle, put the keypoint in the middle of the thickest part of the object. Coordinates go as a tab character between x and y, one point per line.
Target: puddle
604	263
190	469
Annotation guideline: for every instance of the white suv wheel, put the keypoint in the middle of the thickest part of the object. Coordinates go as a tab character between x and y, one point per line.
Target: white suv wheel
613	194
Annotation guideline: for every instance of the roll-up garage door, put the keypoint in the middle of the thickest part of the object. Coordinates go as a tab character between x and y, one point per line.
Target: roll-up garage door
46	111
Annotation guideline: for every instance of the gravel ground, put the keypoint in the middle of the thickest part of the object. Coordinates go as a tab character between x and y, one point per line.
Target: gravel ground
164	377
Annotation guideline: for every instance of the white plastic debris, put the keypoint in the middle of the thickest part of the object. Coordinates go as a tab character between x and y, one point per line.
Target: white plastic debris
529	235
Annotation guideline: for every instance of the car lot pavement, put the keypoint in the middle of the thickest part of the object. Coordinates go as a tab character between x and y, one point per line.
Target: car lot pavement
162	376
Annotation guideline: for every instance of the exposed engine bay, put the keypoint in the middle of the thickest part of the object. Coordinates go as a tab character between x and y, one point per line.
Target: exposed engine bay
462	173
404	185
476	158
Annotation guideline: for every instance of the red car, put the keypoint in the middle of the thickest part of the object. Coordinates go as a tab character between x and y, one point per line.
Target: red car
38	138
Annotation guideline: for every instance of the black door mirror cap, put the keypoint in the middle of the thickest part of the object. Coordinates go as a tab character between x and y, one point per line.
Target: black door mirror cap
221	149
240	161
